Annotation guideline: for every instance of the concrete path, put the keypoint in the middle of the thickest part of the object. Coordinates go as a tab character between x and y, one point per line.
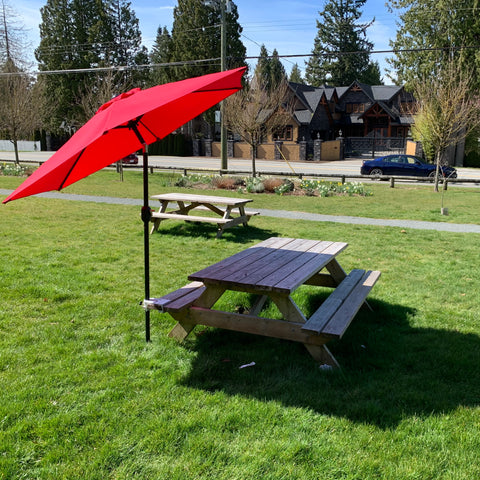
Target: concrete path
314	217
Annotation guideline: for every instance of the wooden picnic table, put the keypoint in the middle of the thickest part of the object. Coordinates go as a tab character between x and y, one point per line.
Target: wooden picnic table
229	211
274	269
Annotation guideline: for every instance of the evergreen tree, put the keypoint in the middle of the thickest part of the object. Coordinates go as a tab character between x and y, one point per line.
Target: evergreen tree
296	75
432	33
84	34
161	53
341	52
269	70
196	36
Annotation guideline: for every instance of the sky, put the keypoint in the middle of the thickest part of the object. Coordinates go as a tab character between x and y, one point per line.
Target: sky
286	25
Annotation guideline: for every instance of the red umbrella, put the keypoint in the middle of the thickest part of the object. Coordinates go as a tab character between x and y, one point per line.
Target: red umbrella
128	123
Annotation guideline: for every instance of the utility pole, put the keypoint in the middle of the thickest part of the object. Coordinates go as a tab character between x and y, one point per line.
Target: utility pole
223	61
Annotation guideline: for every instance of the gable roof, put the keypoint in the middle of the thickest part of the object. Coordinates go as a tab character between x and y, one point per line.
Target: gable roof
375	92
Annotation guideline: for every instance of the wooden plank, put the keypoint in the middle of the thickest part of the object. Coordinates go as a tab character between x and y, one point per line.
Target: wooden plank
325	312
321	280
290	275
248	324
265	266
186	197
342	318
322	355
183	296
248	213
189	218
288	308
240	260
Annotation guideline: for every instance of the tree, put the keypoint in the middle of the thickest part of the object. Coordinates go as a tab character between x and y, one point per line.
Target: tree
12	35
20	106
196	37
341	52
296	75
160	54
86	34
19	92
447	111
269	70
431	33
256	112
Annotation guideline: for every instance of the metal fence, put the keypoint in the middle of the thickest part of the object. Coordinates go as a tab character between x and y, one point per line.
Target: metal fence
374	146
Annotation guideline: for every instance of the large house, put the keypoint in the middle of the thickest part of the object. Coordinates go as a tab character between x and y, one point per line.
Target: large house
358	110
330	122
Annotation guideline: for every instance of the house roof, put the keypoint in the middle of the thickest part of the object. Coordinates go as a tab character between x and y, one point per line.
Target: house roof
374	92
309	96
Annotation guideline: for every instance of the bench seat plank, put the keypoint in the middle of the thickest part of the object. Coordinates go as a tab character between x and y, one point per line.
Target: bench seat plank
342	318
334	316
190	218
178	299
248	213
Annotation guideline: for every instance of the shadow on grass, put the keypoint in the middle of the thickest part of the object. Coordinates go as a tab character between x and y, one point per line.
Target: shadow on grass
390	370
239	234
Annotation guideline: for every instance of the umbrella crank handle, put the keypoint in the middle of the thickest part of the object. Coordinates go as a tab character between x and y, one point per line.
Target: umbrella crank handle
146	214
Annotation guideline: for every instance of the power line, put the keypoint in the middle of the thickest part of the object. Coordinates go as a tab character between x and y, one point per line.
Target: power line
216	61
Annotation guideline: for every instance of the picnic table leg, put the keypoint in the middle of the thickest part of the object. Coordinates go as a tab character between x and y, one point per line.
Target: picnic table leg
241	210
258	304
156	222
288	308
322	355
206	300
220	231
336	271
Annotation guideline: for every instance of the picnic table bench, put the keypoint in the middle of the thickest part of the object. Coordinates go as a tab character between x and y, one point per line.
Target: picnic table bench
229	211
273	270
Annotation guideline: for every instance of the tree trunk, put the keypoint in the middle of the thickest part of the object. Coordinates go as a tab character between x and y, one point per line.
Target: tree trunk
437	170
254	156
17	158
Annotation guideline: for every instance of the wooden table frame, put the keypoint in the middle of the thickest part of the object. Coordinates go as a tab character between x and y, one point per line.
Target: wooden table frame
230	211
274	269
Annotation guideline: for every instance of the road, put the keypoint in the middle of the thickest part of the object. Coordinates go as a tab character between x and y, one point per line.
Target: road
342	167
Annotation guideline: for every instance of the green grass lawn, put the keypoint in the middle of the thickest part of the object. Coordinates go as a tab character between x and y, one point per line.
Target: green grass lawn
84	397
405	201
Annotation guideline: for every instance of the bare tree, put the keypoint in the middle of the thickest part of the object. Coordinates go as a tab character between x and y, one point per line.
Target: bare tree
20	105
98	92
12	37
448	111
256	112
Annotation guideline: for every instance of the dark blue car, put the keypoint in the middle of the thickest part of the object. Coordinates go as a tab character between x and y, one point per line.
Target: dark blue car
406	165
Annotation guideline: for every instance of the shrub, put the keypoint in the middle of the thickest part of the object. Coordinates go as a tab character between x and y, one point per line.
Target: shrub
285	187
325	189
14	170
225	183
271	184
254	185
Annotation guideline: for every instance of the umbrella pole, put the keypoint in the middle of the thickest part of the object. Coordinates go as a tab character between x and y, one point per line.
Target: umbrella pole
146	217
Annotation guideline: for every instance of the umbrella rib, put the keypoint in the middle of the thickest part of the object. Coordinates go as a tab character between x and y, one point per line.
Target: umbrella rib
71	169
149	130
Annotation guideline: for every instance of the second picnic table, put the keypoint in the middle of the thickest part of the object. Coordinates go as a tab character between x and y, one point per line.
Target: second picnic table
231	210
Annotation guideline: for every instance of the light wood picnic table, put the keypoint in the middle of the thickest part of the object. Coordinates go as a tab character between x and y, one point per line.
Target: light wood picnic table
273	270
229	211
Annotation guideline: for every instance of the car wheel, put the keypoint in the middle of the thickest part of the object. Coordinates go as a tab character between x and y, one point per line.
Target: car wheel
376	172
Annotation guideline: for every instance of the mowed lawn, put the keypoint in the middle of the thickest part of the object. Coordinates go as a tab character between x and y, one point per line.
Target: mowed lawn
84	397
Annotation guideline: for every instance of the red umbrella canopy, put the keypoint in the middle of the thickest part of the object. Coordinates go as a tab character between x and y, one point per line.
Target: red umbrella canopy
124	124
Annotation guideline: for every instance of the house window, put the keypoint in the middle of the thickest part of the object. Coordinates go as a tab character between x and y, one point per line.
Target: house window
355	107
285	133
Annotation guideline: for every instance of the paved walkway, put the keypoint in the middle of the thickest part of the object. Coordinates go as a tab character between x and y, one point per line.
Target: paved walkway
315	217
